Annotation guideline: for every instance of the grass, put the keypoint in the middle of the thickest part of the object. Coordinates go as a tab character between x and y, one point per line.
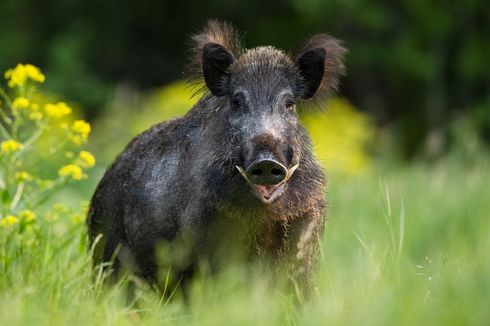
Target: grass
405	244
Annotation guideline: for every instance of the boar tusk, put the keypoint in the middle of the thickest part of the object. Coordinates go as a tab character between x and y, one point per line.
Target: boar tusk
290	172
242	172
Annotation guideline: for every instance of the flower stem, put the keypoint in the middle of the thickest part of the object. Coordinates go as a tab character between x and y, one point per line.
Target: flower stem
28	143
4	132
17	196
3	115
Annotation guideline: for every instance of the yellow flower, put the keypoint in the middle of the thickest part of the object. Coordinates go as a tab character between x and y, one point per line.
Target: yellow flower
21	73
27	215
35	116
342	137
60	208
71	170
87	159
9	220
22	176
81	129
57	110
77	140
20	103
10	146
78	218
34	73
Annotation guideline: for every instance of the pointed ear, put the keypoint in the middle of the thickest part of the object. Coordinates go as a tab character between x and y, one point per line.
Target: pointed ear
215	61
320	65
214	50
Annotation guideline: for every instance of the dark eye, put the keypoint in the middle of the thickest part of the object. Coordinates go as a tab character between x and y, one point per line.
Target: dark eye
237	100
290	104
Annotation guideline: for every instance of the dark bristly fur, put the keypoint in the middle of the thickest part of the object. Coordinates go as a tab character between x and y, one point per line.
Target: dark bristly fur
176	185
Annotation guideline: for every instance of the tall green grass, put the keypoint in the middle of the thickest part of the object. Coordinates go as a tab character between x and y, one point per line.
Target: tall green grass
407	244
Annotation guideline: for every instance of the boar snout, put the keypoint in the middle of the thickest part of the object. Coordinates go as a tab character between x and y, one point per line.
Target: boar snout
267	177
266	172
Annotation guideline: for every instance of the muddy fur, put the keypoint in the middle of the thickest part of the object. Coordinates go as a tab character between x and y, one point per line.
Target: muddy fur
176	186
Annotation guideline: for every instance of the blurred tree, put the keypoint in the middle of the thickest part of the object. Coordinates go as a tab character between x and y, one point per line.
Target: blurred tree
412	60
412	63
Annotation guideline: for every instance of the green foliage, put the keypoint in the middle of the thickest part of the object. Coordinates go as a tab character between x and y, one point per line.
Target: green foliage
411	63
131	113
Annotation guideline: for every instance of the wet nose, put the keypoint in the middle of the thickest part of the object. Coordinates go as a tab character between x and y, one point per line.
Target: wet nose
266	172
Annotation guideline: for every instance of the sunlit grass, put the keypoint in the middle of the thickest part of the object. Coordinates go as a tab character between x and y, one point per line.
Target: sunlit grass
404	245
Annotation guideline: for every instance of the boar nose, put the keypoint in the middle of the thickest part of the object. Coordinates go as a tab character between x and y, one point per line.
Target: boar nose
266	172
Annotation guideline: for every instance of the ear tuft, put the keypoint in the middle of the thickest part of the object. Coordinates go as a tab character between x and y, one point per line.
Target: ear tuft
213	50
321	65
221	33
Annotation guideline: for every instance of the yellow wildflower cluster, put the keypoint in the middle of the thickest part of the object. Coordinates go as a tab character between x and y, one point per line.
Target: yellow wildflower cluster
9	220
30	108
35	113
341	137
21	73
57	110
20	103
78	218
87	160
10	146
27	216
81	130
22	176
72	171
75	171
32	129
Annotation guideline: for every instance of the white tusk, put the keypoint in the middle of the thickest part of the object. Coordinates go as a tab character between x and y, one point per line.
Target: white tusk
242	172
290	172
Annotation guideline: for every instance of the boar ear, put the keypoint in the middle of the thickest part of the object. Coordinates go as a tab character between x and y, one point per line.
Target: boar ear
213	51
320	65
215	61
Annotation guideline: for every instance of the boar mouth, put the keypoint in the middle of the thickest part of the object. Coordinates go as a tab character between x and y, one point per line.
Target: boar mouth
268	193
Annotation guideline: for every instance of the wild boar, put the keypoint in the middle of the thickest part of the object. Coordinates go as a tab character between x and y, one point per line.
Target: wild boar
233	179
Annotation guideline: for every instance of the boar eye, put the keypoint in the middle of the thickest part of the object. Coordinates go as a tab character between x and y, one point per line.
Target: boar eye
237	100
289	104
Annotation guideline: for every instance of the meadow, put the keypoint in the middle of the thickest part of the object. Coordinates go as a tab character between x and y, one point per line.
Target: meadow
405	243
